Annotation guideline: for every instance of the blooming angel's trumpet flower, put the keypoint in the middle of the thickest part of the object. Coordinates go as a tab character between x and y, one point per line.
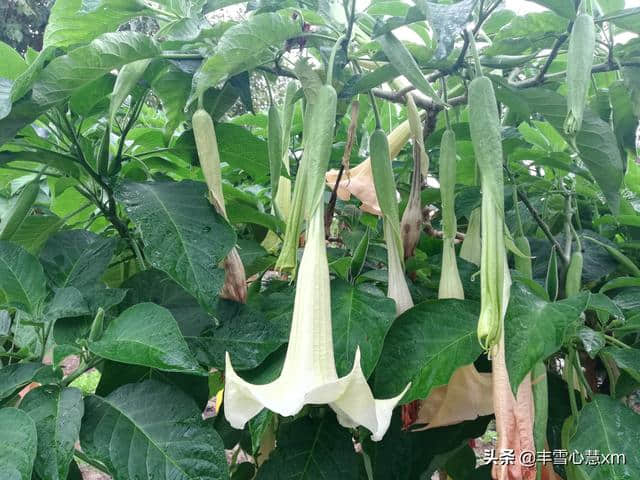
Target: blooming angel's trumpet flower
309	374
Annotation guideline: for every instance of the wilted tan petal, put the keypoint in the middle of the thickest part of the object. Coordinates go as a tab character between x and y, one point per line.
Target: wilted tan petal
467	396
235	279
358	181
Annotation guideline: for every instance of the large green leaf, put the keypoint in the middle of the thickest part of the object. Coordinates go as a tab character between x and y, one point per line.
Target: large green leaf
12	62
596	141
183	235
148	335
237	146
59	161
535	328
85	64
17	375
22	280
311	449
18	444
608	427
360	319
628	359
151	430
425	345
114	375
35	230
157	287
76	258
72	23
57	414
243	331
66	302
246	46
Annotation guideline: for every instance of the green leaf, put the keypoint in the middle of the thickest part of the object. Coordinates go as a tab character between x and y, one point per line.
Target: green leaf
57	414
535	328
312	448
425	345
238	147
609	427
592	340
114	375
182	234
93	98
148	335
18	444
620	282
35	230
85	64
404	63
245	46
22	280
360	319
61	162
172	86
406	455
628	359
12	62
596	141
561	7
626	19
157	287
66	302
71	24
243	331
17	375
151	430
76	258
625	121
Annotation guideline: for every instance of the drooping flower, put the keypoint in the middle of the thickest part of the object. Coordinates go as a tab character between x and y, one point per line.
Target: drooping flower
309	374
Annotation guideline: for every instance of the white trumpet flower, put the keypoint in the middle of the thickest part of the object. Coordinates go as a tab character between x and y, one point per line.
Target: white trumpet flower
309	374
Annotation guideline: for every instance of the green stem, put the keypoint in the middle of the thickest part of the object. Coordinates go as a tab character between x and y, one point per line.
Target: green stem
374	107
572	393
612	378
90	461
445	99
615	341
583	379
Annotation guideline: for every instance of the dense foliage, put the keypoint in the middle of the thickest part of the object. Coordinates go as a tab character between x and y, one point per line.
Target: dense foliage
435	222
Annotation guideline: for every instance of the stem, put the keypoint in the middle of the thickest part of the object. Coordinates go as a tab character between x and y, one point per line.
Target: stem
572	393
612	378
90	461
445	99
536	216
583	379
374	107
615	341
